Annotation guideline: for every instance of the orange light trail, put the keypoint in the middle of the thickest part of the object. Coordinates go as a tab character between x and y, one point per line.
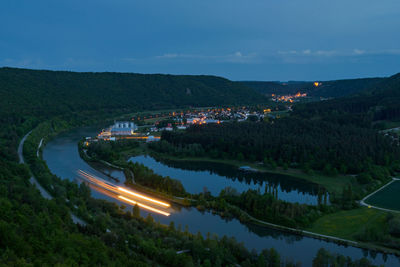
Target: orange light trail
143	197
144	206
121	198
115	189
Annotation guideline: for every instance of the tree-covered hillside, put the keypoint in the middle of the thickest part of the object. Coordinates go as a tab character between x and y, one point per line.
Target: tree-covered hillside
336	88
379	102
33	91
308	143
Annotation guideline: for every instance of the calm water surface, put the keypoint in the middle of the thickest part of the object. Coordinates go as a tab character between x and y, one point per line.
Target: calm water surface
199	176
62	157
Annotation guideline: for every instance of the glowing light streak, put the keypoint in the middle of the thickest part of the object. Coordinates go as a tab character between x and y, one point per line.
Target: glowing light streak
121	198
114	188
143	197
144	206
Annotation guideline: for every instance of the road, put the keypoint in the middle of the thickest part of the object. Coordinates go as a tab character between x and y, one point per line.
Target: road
40	145
33	180
20	147
362	202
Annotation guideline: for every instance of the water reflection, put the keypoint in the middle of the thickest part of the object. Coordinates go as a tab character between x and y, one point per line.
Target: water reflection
62	158
196	176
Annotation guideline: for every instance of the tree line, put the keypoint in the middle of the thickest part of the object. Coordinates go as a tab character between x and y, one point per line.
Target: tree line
324	146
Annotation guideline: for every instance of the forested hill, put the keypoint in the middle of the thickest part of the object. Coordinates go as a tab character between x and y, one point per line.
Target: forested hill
389	87
57	92
380	102
336	88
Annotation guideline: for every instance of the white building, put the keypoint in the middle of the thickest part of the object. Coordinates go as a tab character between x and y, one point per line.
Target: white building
119	128
123	128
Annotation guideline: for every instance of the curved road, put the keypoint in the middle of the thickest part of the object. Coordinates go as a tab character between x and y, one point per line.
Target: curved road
33	180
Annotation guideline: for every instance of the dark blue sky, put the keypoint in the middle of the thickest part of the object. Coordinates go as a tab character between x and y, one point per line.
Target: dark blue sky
240	40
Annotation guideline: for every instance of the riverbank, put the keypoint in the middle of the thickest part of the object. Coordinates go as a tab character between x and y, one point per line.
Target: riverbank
354	222
322	232
352	225
62	158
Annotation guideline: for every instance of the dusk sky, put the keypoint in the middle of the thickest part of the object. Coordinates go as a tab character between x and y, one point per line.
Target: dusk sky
240	40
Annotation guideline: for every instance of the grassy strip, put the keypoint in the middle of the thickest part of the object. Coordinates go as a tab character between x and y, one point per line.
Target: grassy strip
348	224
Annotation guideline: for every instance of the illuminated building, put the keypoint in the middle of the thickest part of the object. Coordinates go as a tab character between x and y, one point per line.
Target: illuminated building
121	128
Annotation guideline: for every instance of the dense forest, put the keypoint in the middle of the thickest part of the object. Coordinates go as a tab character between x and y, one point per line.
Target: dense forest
36	231
378	103
61	92
319	145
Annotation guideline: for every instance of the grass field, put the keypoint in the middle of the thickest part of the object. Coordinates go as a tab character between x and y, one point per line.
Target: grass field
347	224
388	198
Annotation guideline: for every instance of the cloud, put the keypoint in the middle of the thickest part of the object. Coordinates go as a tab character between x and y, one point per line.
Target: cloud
358	52
342	53
236	57
325	53
386	52
308	52
170	55
290	52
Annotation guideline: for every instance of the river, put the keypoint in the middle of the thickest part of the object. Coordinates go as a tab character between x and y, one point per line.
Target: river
213	177
62	157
